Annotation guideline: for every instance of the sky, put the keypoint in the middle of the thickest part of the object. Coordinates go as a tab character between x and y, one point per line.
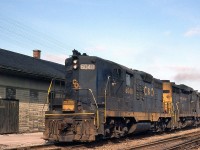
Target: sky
161	37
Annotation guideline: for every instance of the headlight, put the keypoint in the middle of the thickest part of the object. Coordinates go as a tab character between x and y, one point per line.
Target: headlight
75	61
75	66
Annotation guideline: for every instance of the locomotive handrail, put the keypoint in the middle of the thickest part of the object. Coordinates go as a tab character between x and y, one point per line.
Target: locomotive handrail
177	106
106	99
49	90
97	108
91	93
93	98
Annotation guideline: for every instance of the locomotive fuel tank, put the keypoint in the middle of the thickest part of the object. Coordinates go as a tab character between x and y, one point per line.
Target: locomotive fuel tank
140	127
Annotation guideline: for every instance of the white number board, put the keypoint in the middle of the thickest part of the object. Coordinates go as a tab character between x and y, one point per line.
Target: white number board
87	66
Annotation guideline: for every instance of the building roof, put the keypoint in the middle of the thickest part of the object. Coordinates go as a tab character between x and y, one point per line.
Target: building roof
30	66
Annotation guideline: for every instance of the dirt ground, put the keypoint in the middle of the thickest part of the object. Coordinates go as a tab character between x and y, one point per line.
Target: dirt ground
20	140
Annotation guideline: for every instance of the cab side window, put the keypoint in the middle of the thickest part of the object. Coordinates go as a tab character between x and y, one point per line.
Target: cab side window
128	79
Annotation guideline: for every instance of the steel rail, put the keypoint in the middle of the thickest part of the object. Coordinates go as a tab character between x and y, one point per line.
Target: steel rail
164	141
185	144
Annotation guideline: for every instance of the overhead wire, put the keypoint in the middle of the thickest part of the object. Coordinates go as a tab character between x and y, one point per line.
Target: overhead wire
27	35
19	32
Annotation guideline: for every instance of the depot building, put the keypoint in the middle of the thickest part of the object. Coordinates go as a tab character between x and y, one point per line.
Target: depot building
25	80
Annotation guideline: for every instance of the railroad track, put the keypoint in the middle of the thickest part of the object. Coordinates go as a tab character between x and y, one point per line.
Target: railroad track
172	143
193	143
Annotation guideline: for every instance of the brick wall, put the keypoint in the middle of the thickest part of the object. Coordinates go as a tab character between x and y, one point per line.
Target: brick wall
31	113
32	94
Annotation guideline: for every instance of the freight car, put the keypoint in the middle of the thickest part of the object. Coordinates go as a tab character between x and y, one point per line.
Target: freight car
103	99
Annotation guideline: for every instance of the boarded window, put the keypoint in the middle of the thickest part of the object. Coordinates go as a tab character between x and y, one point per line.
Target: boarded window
10	93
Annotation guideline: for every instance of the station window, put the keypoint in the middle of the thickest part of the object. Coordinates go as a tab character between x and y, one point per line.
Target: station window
10	93
33	95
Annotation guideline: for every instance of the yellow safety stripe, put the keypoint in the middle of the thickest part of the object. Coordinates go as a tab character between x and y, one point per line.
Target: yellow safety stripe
49	90
69	114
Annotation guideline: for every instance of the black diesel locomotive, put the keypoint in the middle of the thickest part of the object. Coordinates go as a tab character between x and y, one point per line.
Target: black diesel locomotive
103	99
